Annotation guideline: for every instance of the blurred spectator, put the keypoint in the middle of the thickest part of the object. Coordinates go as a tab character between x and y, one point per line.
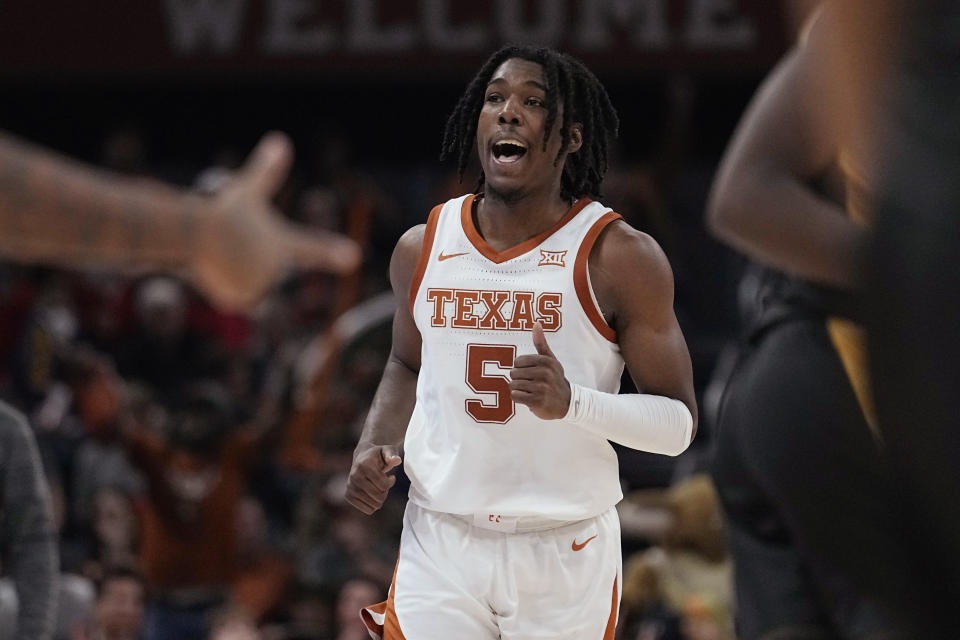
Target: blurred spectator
320	207
100	461
355	594
310	615
686	577
233	625
334	380
262	574
119	610
643	613
162	349
706	619
51	326
196	478
349	542
115	533
276	342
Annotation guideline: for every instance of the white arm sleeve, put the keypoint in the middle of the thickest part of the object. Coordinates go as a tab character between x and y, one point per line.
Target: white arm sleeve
637	420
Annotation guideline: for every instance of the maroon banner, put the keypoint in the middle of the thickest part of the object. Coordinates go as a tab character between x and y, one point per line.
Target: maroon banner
410	36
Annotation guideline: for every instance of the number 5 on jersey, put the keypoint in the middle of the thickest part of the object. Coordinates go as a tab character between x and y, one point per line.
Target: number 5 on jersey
496	405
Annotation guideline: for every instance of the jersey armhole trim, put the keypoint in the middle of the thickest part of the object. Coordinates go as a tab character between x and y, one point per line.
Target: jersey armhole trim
581	278
425	250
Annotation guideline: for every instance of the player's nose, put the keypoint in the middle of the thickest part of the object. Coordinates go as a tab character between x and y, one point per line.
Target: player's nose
509	111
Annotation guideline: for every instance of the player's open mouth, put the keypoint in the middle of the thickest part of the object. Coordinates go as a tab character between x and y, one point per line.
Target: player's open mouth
508	151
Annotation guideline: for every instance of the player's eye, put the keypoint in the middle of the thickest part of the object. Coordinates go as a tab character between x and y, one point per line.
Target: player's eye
535	102
493	97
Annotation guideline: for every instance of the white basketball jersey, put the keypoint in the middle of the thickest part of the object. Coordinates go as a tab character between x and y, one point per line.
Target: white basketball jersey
469	448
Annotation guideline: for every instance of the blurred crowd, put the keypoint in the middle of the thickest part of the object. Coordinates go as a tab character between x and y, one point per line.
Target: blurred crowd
196	459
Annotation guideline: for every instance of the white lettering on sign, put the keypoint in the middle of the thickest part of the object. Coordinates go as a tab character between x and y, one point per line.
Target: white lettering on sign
196	25
442	35
716	24
548	30
287	34
645	19
359	27
365	35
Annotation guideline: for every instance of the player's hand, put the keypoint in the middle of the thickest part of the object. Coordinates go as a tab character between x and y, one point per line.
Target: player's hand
538	381
244	245
371	477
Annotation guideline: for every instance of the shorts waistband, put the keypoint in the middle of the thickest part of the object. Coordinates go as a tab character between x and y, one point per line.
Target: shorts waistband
513	524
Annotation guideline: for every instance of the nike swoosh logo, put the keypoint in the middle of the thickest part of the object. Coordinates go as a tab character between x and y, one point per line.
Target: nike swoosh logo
577	547
441	257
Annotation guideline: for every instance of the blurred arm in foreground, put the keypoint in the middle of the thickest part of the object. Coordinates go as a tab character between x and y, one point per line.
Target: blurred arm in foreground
233	246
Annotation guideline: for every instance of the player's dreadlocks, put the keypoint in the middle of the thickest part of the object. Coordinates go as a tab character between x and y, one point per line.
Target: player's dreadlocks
569	83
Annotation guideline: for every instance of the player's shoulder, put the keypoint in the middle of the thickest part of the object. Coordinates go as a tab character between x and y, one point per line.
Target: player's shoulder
621	245
406	253
412	238
629	266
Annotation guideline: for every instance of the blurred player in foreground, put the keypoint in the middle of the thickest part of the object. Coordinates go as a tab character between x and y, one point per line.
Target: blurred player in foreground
799	468
903	55
519	306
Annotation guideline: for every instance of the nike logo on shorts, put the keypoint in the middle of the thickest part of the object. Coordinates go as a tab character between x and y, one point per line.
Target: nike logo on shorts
577	547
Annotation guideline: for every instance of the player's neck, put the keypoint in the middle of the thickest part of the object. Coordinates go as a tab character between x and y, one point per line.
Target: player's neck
507	222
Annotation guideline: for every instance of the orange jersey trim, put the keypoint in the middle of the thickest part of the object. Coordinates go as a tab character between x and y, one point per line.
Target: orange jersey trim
581	281
390	630
497	257
425	250
612	620
366	614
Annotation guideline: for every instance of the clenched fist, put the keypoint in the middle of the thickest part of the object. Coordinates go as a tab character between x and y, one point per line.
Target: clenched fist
371	478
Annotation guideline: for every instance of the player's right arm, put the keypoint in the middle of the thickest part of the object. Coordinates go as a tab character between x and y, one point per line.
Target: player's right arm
763	201
378	451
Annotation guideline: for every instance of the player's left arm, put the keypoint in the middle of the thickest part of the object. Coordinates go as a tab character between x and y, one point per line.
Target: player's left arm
633	283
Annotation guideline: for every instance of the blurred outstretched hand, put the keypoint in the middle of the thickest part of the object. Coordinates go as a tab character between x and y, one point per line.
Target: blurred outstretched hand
244	243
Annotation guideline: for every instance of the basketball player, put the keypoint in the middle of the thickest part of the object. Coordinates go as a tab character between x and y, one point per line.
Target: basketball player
798	466
902	55
519	306
232	247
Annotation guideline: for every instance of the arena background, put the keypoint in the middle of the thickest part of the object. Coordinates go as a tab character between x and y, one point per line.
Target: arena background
180	90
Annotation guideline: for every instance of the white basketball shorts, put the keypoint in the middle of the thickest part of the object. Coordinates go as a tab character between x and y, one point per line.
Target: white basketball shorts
489	578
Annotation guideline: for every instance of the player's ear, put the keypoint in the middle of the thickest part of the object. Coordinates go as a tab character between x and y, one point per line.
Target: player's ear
576	137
